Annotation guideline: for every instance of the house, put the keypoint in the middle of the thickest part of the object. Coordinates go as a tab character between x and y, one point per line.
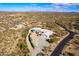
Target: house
37	39
41	31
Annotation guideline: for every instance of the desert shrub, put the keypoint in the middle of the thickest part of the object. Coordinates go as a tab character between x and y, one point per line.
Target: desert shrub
23	46
70	54
25	32
54	39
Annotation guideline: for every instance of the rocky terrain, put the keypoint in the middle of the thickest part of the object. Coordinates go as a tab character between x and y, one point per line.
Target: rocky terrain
14	27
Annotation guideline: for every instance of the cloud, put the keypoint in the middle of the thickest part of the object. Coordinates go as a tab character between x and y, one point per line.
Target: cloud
64	5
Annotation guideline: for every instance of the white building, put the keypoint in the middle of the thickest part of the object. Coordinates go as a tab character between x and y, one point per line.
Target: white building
45	32
38	39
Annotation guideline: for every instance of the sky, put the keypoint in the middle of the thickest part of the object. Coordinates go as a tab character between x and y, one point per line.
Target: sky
39	7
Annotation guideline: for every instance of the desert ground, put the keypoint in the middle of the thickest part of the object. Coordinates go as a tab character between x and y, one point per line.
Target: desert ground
14	27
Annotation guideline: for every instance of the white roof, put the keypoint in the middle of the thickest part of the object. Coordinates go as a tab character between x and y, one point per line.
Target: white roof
45	31
36	29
